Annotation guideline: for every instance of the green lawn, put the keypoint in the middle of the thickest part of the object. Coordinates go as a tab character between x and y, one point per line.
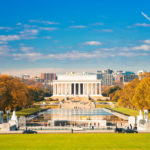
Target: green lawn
123	110
103	141
126	111
28	111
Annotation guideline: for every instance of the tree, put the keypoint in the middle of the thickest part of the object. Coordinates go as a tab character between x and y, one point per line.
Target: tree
127	93
110	91
142	94
14	94
36	93
116	95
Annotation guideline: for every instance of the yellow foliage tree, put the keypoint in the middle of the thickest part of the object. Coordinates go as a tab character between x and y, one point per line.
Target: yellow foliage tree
142	94
127	93
14	94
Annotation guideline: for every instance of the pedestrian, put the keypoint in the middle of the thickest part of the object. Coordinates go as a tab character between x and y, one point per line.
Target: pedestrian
130	126
71	130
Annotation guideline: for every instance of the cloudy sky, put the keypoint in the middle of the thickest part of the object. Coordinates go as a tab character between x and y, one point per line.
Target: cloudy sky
64	35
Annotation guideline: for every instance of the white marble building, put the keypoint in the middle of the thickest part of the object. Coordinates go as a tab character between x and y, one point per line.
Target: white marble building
75	85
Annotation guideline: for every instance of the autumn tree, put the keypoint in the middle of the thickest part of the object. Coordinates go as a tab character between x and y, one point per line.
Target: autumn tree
116	96
14	94
127	93
36	93
110	91
141	96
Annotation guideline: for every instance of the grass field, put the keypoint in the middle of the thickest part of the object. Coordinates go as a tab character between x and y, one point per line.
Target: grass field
28	111
103	141
127	111
123	110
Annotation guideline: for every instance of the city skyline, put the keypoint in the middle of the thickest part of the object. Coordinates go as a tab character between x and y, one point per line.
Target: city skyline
57	36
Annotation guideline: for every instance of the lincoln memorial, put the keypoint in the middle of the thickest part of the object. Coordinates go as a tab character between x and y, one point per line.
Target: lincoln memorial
77	85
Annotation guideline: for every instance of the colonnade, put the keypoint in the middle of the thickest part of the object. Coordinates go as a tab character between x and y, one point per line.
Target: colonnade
76	88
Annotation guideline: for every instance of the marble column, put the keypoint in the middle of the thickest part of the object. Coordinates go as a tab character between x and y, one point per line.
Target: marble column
57	88
95	88
91	89
65	90
83	88
70	89
74	89
99	89
79	89
87	89
61	88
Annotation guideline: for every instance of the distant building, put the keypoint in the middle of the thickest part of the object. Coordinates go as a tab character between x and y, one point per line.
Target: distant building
126	77
48	76
26	76
36	78
107	79
99	75
106	76
108	71
119	78
142	74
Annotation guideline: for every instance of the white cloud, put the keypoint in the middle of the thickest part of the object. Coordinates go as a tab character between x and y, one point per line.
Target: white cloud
78	27
5	28
98	24
4	49
107	30
9	37
2	42
29	32
48	28
142	47
45	22
25	34
73	55
19	23
132	54
92	43
147	41
46	37
142	24
26	49
146	16
32	56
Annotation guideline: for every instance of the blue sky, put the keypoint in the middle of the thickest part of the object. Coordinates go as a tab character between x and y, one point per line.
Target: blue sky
64	35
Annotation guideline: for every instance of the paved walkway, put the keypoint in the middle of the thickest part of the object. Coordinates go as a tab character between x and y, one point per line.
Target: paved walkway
60	131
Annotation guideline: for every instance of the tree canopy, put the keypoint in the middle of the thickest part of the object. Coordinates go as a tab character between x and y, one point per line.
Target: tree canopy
135	95
14	94
141	97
